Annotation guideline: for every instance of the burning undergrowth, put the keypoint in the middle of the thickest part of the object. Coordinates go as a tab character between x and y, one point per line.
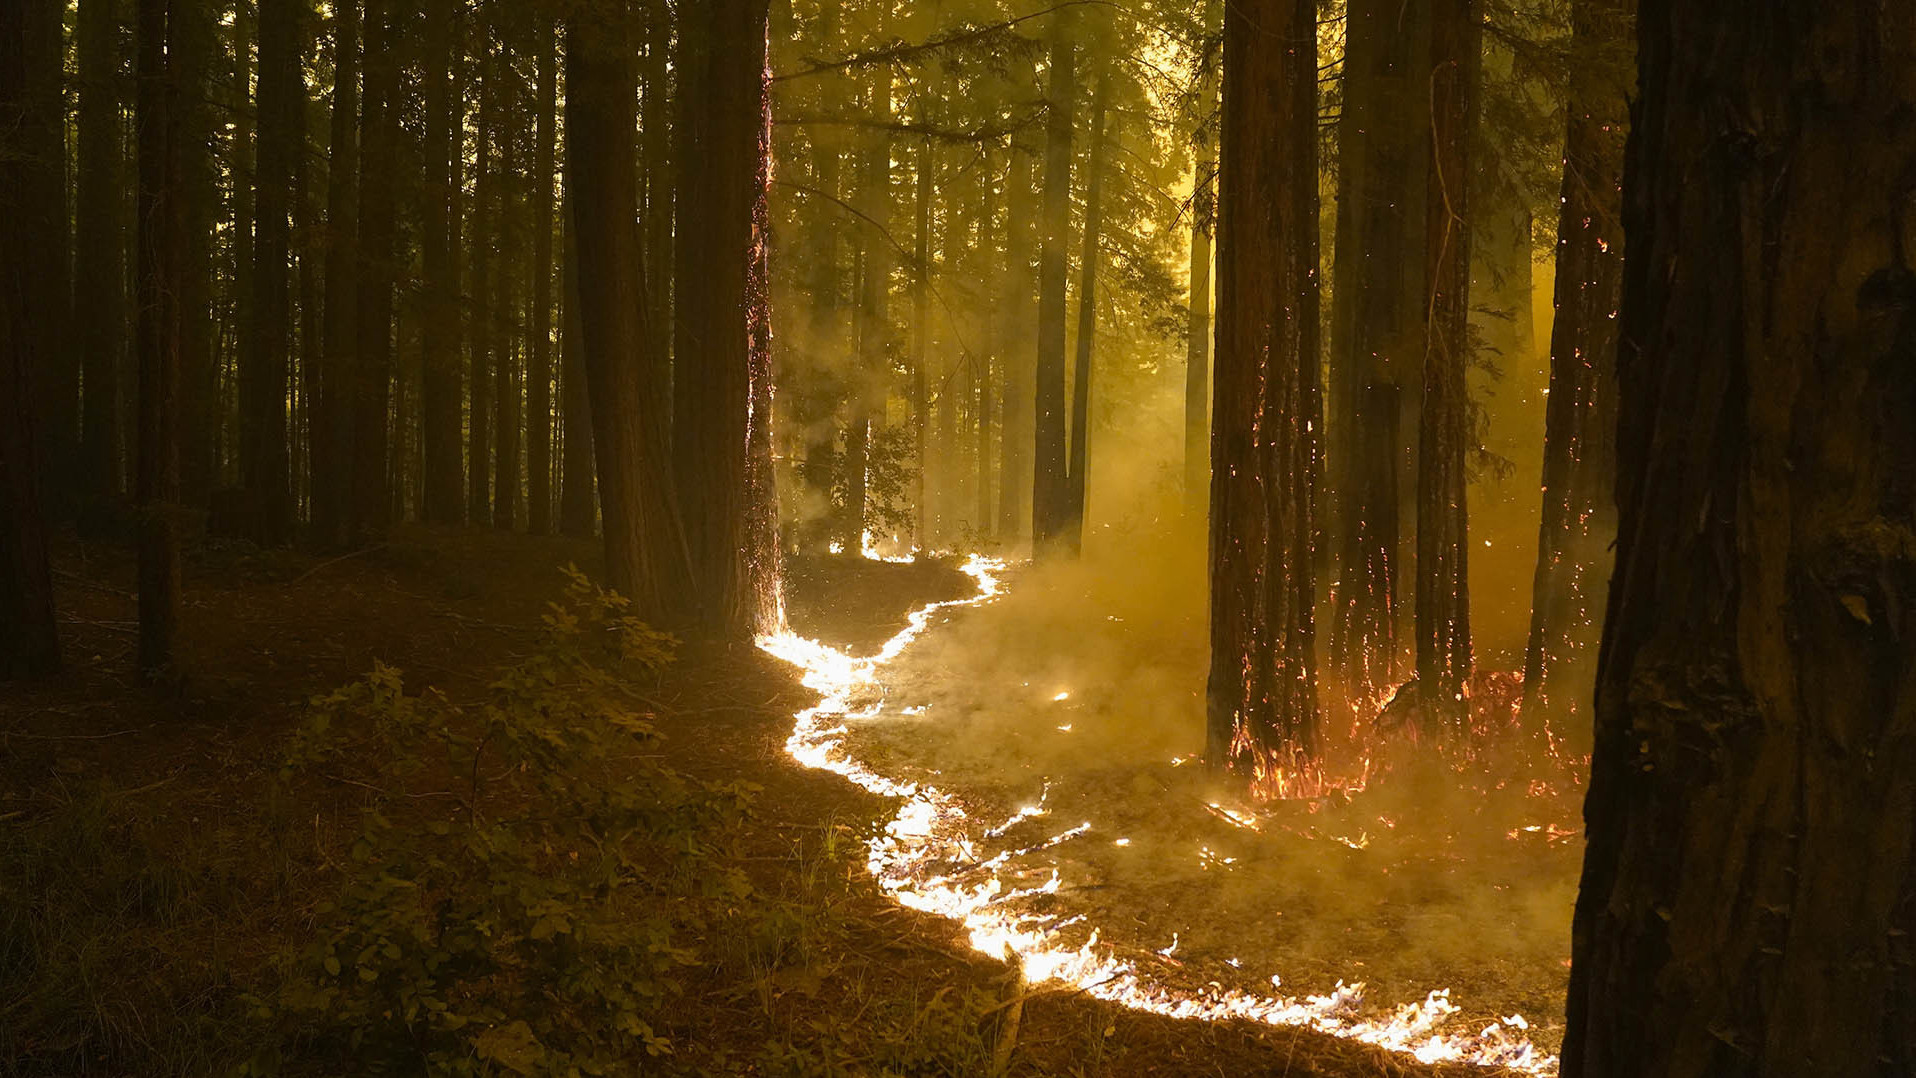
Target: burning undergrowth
1044	741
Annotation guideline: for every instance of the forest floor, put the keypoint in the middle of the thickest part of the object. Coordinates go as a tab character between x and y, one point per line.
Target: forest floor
156	882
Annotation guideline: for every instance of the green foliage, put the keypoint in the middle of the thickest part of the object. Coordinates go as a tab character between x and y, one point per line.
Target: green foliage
534	915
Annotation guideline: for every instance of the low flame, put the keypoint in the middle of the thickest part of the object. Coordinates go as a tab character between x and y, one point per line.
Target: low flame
925	859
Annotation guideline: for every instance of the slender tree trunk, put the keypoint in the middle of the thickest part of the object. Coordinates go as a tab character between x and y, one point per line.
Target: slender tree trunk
332	455
577	505
44	144
196	44
721	421
644	540
1377	335
508	411
1018	300
1444	431
870	380
442	494
1579	456
242	175
1073	530
379	129
1197	355
100	243
921	338
157	337
816	403
29	636
265	458
1749	882
656	165
1262	692
1050	490
485	225
539	376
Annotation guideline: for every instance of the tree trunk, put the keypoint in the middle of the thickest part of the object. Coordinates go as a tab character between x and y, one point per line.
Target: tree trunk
242	177
197	119
373	367
508	412
869	380
1197	355
265	458
721	419
1444	430
578	505
1072	534
921	338
485	225
29	638
1377	335
656	165
1017	306
1262	692
157	335
1579	454
539	375
442	493
644	541
1050	483
1749	883
100	244
332	453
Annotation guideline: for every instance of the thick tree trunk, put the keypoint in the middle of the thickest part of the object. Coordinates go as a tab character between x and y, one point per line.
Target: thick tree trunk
1018	297
1377	335
1262	692
373	366
644	540
1072	534
539	357
1444	430
265	457
1579	454
157	336
29	640
332	451
578	504
721	418
442	493
1050	483
99	280
1197	354
1749	883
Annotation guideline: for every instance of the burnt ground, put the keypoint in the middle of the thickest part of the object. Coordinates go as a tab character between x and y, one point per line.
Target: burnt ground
169	775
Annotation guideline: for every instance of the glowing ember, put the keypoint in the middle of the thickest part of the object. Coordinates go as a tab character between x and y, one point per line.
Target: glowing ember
925	859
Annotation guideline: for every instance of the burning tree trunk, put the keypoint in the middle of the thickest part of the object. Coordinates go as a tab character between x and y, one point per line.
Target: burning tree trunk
539	373
1579	453
1377	330
265	453
157	335
442	487
1443	557
1050	483
1749	887
331	458
29	641
1197	355
1262	693
644	542
722	416
1073	531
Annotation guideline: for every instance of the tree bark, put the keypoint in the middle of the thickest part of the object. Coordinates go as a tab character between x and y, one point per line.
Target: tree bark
332	452
29	637
373	366
721	419
1050	489
1579	454
157	335
1017	301
645	551
99	278
203	415
484	339
1072	534
265	456
921	339
656	166
578	504
1262	692
442	493
1749	883
1444	431
508	409
539	374
1197	355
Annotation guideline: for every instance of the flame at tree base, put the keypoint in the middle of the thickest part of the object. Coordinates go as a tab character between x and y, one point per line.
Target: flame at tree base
926	861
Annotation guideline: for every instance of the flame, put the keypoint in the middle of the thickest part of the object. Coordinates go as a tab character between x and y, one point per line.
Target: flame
925	859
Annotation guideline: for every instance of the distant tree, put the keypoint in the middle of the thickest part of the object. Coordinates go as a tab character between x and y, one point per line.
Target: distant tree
1749	880
1077	465
265	451
1017	298
29	641
1444	427
1579	453
1262	691
722	381
644	539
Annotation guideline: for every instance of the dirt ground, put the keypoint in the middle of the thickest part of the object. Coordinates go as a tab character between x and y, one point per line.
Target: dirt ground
265	631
